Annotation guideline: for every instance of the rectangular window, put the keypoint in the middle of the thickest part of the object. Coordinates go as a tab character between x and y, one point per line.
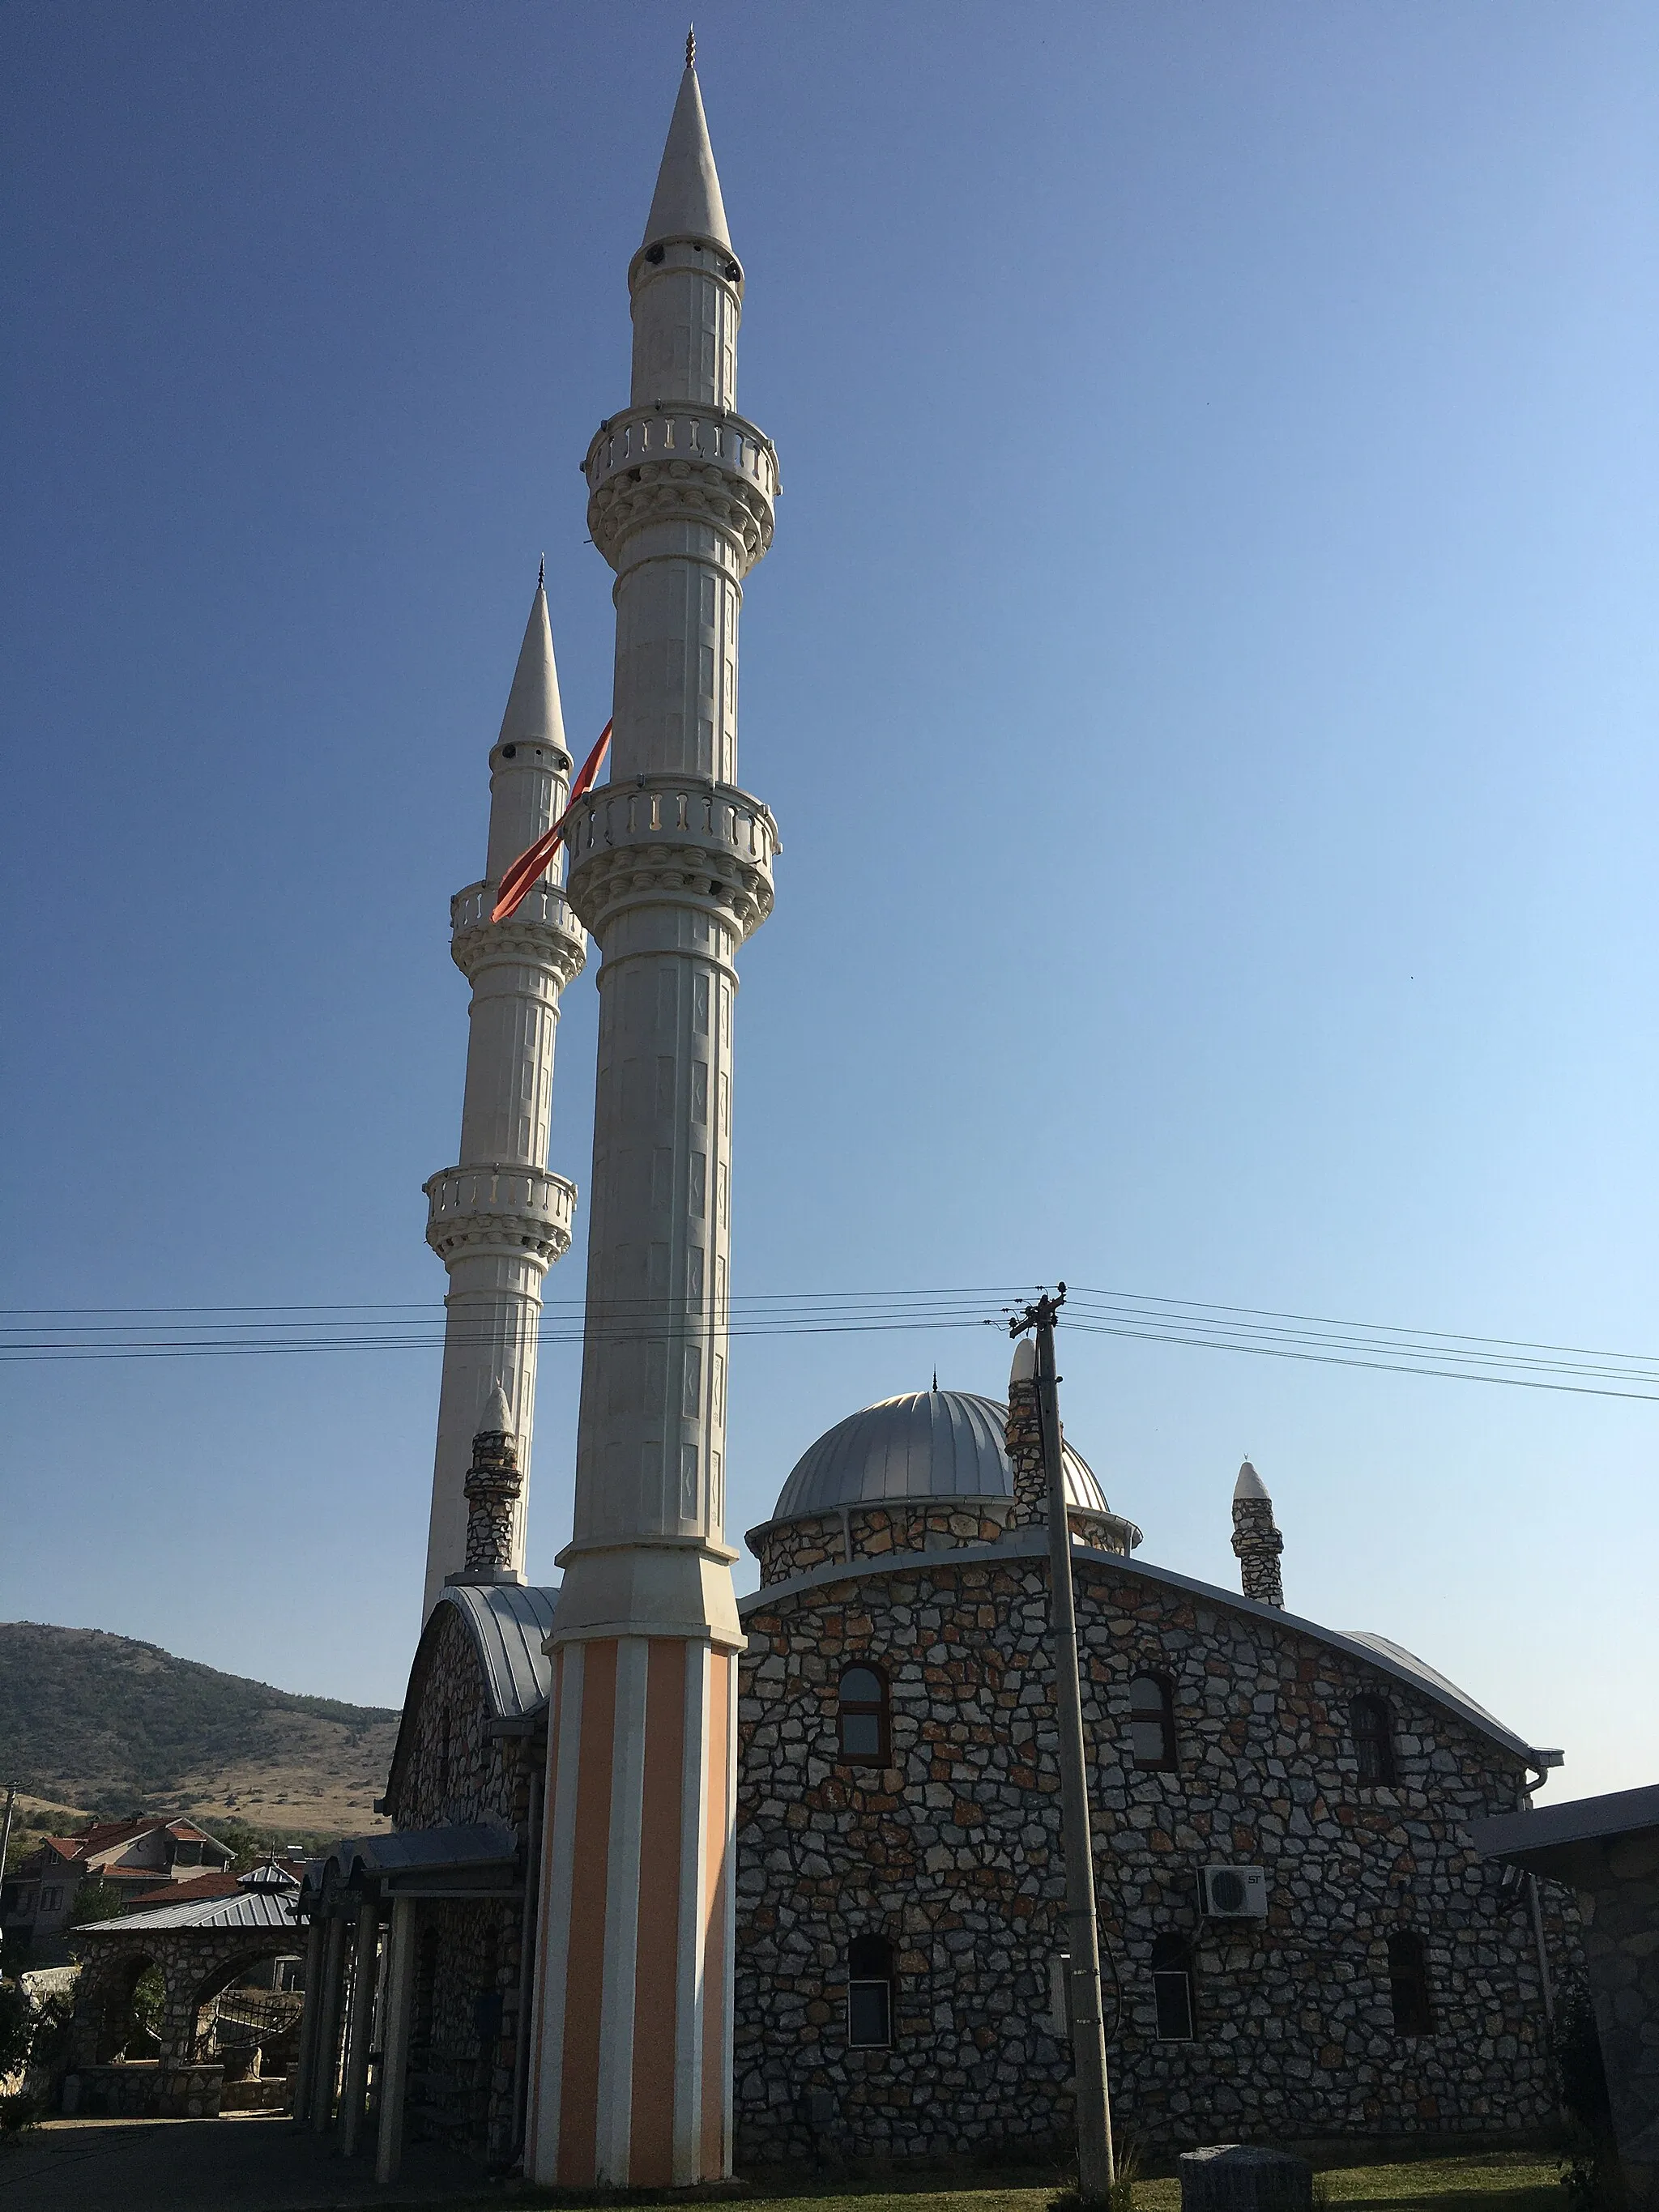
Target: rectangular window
869	2015
1172	1999
51	1899
1408	1985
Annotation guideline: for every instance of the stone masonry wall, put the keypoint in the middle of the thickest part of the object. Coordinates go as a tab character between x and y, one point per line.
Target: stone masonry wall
455	1770
953	1854
1621	1951
792	1547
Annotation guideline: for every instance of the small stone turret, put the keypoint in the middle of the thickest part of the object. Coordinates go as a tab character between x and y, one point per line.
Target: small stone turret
1024	1437
492	1488
1256	1541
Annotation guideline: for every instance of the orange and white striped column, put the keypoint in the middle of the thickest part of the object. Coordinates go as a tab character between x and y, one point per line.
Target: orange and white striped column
632	2071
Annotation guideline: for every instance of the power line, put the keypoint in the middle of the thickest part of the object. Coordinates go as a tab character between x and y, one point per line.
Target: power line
41	1334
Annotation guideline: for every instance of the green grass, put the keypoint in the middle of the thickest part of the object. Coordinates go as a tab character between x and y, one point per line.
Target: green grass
1515	2181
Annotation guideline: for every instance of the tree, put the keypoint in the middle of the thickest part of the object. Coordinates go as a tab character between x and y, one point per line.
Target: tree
96	1900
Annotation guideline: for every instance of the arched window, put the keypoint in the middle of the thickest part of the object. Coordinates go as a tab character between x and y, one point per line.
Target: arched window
869	1993
1408	1984
1372	1725
1152	1724
1172	1989
866	1734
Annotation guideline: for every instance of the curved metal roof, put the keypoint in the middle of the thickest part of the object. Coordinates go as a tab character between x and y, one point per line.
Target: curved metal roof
509	1622
1408	1662
928	1443
1377	1651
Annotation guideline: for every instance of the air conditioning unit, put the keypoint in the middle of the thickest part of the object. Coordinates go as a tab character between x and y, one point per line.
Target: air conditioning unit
1233	1893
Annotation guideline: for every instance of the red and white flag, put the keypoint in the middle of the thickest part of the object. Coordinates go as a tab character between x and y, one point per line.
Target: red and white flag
517	880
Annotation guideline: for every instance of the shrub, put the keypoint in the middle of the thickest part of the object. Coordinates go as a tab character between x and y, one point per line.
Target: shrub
1589	2163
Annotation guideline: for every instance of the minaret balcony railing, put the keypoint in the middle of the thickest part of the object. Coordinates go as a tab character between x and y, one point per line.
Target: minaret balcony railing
518	1209
666	837
542	933
679	462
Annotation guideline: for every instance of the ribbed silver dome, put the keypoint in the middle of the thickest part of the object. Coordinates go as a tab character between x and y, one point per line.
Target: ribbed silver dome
931	1443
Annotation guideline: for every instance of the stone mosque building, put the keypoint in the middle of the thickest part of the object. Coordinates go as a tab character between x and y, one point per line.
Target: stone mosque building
675	1880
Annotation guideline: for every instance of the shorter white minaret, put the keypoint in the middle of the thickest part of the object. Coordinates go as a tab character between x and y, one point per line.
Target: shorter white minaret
1256	1542
498	1219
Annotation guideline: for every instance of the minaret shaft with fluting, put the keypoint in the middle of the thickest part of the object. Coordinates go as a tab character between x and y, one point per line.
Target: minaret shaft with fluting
498	1219
670	868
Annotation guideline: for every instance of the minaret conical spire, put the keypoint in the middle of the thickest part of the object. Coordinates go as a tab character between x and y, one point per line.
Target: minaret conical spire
534	714
687	202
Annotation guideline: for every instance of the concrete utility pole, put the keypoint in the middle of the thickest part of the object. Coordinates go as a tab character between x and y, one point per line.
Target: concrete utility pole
1095	2167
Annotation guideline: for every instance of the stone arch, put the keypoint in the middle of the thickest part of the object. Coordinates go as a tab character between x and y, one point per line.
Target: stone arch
107	2004
259	2024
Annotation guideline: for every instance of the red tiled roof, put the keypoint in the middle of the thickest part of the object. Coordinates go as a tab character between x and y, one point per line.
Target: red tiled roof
109	1835
184	1892
104	1835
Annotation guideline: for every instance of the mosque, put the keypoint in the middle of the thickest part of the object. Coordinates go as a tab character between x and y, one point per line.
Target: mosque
674	1880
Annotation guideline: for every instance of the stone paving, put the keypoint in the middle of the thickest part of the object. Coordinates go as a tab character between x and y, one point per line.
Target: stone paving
255	2164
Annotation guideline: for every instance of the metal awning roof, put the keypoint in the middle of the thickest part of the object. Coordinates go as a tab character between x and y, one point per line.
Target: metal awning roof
481	1859
247	1908
1564	1842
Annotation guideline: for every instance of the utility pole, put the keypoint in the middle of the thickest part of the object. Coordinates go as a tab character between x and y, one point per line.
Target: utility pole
1096	2170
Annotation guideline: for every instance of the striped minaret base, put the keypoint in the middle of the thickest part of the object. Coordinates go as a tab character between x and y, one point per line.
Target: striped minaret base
632	2072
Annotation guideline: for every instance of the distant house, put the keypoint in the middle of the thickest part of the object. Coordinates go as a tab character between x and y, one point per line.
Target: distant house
135	1856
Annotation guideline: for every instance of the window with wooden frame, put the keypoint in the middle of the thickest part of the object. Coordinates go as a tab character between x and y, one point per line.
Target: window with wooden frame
1174	2011
1152	1724
1408	1984
869	1993
863	1718
1371	1725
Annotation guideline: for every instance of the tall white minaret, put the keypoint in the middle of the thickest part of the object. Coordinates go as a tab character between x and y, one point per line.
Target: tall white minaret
670	867
499	1219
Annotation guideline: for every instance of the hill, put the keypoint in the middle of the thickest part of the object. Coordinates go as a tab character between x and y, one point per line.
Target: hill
115	1726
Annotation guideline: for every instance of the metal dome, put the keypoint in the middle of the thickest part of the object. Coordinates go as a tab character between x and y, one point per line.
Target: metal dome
929	1443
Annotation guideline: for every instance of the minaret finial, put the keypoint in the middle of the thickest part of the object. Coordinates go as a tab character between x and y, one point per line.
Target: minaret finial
692	45
540	575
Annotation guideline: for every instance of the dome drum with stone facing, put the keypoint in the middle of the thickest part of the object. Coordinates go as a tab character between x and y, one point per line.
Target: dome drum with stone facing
926	1471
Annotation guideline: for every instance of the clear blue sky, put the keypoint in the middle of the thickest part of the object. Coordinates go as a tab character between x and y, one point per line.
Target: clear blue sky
1206	674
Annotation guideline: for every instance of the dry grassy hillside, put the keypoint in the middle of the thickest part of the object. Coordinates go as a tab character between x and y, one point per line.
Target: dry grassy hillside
101	1722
